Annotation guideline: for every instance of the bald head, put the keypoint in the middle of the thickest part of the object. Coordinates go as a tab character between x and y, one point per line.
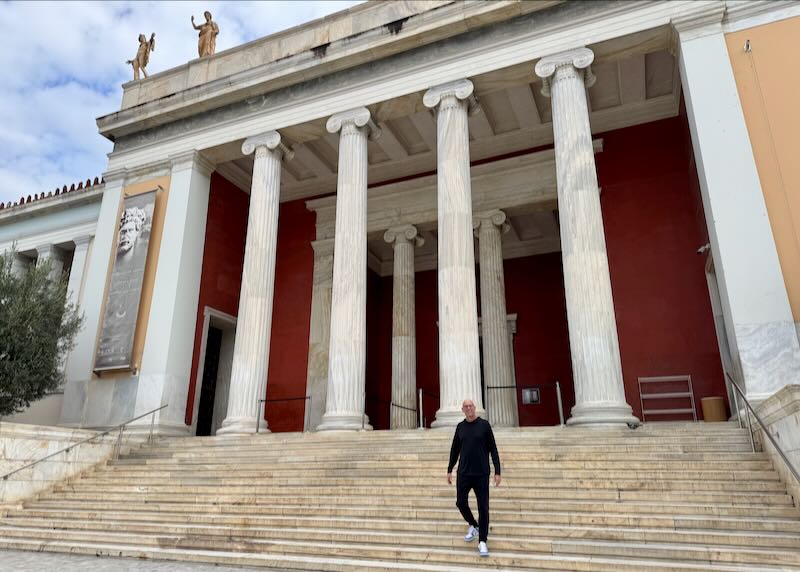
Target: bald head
468	408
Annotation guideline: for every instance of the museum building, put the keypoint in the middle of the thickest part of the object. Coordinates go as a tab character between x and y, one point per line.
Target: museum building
545	206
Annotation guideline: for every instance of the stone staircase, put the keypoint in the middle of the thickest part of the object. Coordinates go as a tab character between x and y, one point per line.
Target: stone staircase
664	497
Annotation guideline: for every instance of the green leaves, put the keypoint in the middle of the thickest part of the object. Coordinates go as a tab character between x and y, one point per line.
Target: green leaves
37	329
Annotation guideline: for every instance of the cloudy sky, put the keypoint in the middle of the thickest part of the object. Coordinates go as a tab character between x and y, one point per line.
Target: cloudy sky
63	64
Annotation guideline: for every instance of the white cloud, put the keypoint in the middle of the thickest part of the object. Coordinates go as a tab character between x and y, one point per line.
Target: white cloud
64	62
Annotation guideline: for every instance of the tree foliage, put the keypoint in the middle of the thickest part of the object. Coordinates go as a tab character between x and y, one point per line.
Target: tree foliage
37	329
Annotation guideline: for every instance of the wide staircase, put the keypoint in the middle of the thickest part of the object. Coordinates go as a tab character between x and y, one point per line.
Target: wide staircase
666	497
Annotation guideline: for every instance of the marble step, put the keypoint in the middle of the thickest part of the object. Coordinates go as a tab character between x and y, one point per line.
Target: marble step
510	512
587	455
758	464
338	563
445	550
510	485
636	492
510	474
409	532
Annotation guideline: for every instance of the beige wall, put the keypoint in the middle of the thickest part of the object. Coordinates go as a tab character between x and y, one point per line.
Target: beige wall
769	89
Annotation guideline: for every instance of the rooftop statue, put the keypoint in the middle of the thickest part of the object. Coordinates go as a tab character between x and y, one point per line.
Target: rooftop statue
143	55
207	42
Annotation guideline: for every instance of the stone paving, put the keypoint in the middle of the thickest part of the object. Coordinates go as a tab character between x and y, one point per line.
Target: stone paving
20	561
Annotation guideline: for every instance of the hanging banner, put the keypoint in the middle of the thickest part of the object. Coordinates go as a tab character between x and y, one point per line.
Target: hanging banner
115	349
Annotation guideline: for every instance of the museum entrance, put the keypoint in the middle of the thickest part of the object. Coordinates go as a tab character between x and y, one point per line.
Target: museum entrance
214	372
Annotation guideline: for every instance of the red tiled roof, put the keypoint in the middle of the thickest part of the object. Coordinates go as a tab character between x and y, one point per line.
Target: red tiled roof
82	186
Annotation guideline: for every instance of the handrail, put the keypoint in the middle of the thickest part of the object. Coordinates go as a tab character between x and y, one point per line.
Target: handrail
103	434
783	456
307	416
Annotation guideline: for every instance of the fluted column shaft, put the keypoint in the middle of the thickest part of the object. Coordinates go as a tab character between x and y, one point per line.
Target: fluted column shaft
78	266
48	252
404	336
597	372
459	359
498	370
254	323
319	335
344	405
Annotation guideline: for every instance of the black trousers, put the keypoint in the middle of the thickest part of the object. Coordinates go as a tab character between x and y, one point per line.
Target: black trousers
479	484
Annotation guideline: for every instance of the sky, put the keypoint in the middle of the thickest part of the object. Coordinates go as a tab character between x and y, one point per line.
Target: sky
63	65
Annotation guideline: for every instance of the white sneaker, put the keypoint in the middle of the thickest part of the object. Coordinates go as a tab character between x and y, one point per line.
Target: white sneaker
483	550
472	534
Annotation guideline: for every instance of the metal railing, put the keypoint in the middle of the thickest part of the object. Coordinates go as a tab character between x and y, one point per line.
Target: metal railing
306	418
117	445
748	411
391	404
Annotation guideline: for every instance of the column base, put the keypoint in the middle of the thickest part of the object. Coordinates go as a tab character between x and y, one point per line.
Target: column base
602	413
344	422
242	426
452	417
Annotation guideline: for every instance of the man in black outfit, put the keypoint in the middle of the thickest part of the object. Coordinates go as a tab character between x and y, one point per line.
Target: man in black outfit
474	442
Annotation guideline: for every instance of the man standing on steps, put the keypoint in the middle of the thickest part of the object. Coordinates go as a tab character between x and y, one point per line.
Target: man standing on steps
474	442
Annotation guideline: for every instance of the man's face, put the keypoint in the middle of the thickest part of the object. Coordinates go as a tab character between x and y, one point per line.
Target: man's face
468	408
127	235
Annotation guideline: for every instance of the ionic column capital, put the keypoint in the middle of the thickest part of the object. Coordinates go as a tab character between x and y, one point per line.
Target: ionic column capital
354	119
270	141
577	61
462	90
493	219
403	233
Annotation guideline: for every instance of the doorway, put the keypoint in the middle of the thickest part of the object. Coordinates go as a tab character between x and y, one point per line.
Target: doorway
213	372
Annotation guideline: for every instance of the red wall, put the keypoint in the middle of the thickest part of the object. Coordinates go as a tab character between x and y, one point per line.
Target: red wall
223	257
658	280
220	282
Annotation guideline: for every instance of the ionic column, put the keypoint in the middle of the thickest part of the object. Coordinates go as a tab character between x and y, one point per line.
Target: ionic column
596	368
344	405
319	335
50	252
19	265
254	324
498	370
459	360
404	337
78	266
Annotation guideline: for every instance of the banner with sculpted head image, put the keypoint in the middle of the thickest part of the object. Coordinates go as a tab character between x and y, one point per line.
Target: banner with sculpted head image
115	349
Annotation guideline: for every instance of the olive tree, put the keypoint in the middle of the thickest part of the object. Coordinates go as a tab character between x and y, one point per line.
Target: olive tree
37	329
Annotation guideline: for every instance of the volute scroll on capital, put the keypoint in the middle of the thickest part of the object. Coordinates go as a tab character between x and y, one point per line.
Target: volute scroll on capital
405	232
579	58
462	89
359	117
271	140
496	218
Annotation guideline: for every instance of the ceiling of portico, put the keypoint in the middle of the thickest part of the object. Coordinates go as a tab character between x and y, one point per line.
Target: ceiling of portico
637	82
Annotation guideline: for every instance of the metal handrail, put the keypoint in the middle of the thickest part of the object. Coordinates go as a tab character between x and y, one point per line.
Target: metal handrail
121	426
783	456
307	416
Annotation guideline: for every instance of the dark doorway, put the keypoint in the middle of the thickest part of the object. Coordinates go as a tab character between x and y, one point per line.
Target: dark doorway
205	412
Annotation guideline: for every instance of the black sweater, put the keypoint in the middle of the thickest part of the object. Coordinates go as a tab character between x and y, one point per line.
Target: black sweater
474	442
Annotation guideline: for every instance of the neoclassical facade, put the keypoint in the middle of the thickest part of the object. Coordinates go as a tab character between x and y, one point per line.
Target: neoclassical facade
371	217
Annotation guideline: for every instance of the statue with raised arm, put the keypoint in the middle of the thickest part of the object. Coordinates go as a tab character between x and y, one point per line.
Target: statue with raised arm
143	55
207	42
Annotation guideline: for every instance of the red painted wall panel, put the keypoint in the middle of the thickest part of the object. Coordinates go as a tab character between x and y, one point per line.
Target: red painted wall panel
220	282
223	259
661	299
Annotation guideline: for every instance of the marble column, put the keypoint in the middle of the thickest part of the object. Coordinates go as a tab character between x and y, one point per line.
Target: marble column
498	369
459	360
596	368
49	252
254	324
404	336
19	265
79	257
345	402
319	335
